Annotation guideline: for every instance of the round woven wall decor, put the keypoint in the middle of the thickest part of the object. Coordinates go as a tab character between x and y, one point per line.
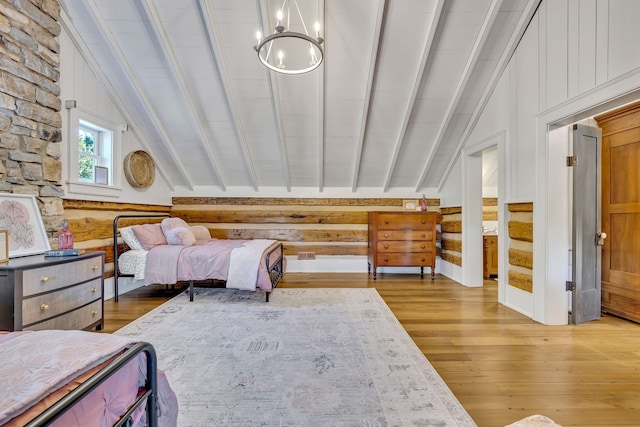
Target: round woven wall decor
139	169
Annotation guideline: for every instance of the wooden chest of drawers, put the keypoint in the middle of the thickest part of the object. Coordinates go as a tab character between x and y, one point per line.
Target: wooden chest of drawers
402	239
490	256
38	292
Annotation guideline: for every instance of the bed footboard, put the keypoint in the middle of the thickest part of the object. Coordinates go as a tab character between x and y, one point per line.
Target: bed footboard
148	396
275	266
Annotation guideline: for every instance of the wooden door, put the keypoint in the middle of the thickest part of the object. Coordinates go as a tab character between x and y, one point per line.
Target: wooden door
621	211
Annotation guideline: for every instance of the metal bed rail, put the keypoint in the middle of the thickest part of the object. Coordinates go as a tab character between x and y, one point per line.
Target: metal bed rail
149	396
116	272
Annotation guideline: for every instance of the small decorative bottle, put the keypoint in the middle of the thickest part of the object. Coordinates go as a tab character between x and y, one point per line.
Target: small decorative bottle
65	237
423	203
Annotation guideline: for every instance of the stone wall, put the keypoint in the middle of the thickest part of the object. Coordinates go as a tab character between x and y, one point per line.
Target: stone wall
30	122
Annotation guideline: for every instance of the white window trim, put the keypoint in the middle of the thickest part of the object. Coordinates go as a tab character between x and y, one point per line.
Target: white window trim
76	186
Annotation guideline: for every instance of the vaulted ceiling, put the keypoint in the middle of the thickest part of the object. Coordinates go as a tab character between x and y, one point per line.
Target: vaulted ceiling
402	84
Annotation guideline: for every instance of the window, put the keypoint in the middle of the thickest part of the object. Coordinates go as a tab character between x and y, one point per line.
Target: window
93	146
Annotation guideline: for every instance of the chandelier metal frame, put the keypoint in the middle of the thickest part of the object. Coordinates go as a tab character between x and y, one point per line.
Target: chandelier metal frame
264	45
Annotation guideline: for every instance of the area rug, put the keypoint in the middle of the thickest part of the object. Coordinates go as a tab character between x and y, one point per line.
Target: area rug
309	357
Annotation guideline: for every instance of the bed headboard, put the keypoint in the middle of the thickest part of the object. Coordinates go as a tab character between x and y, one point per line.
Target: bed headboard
116	253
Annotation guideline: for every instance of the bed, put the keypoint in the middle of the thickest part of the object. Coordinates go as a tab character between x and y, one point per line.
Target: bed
66	378
172	251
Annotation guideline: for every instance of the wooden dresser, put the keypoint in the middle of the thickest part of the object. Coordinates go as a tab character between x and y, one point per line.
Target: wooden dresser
402	239
38	292
490	255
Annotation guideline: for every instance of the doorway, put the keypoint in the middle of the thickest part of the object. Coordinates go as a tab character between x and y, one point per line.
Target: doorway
490	213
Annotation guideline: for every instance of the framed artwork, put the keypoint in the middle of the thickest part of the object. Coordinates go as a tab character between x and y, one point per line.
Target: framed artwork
20	216
101	175
4	246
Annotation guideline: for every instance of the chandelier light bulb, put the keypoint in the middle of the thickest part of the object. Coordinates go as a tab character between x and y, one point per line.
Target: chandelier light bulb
280	56
317	28
259	36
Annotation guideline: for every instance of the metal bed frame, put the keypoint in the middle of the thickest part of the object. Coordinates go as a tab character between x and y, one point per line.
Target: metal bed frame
274	267
149	395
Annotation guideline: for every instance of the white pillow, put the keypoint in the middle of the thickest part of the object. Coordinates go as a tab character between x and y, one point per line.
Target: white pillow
130	238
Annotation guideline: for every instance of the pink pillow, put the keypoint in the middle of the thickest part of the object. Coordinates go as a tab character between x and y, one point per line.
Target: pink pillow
177	232
201	232
149	235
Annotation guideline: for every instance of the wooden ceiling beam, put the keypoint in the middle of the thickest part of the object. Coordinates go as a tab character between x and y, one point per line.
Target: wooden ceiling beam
176	71
381	17
479	43
148	105
503	62
437	15
206	9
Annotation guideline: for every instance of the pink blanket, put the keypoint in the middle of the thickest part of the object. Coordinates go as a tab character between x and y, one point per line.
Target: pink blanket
37	366
208	259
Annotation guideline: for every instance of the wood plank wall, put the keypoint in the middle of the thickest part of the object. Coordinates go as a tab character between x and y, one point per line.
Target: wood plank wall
321	226
521	246
92	224
324	226
451	227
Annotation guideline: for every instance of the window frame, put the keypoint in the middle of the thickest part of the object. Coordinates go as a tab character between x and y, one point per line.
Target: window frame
107	150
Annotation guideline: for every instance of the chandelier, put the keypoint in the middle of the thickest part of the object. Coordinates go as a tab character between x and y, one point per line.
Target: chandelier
287	51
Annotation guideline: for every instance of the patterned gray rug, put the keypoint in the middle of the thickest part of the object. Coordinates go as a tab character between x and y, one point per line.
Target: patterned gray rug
309	357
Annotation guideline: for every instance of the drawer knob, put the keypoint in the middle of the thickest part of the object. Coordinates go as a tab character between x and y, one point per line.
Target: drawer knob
422	247
386	235
44	279
423	259
386	221
386	246
94	290
386	260
44	307
423	221
424	235
95	267
94	312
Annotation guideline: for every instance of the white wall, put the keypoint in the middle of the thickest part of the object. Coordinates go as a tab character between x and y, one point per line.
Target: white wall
577	58
78	82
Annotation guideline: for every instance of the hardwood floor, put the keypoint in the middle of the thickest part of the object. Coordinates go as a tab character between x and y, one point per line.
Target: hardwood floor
501	365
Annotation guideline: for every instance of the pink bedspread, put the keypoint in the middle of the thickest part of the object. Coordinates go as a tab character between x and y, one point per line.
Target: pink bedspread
39	367
207	259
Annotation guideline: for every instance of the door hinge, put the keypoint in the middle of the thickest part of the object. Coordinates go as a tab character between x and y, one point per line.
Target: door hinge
571	286
572	161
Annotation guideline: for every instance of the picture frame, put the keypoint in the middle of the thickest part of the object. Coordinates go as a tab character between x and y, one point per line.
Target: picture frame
20	216
409	205
101	175
4	246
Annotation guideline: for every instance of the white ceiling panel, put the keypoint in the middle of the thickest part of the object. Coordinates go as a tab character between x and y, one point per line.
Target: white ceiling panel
388	107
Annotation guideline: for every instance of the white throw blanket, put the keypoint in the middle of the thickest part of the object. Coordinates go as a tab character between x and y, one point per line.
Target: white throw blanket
244	264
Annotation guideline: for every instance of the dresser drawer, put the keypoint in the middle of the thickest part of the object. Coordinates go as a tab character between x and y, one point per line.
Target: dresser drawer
390	221
404	259
48	305
420	235
57	276
404	246
77	319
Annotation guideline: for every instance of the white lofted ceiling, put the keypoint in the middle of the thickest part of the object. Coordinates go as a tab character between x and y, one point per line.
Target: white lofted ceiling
402	84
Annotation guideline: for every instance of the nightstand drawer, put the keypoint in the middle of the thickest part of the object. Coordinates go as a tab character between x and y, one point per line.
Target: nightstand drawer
419	235
403	259
404	246
390	221
77	319
48	305
58	276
